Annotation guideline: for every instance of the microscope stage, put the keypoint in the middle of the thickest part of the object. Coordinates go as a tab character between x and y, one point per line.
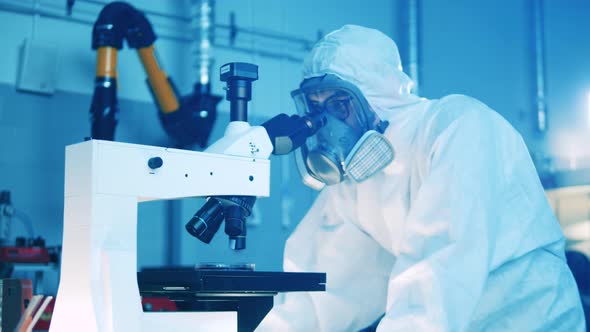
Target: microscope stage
249	293
180	282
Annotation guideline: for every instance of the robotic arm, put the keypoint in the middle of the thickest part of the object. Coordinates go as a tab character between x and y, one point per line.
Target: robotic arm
186	119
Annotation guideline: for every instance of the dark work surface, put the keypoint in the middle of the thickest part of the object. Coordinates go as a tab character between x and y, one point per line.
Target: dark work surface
226	281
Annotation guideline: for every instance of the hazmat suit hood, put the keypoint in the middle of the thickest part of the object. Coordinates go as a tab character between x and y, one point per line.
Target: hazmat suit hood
366	58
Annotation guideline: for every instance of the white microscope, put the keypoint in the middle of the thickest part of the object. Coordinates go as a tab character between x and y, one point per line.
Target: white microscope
104	181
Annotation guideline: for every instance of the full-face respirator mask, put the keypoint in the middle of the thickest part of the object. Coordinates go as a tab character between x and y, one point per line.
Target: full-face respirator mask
350	144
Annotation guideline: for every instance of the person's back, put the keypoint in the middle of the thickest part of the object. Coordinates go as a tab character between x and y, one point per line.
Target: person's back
526	283
454	235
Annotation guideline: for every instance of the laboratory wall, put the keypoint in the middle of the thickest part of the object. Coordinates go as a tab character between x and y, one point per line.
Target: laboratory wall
35	128
485	49
522	58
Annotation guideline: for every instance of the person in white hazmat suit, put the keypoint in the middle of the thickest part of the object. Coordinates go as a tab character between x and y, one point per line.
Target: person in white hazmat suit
444	226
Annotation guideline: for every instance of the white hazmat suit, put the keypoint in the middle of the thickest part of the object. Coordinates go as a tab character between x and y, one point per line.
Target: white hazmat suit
454	235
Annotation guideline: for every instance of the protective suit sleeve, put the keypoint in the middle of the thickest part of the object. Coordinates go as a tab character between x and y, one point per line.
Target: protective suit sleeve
450	231
357	271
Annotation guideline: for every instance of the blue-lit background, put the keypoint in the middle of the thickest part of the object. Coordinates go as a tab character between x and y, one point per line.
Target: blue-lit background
485	49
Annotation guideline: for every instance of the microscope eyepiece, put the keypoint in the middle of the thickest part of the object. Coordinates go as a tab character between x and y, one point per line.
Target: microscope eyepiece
314	122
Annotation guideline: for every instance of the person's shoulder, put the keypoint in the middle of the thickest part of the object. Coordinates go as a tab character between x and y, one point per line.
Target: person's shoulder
449	109
456	106
460	113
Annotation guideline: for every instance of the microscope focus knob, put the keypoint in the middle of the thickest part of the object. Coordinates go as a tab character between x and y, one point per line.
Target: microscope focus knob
155	162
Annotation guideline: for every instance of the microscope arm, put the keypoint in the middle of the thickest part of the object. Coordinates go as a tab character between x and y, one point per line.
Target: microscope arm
281	134
287	133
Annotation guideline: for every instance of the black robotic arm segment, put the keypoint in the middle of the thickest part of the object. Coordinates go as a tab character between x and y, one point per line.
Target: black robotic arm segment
118	21
104	109
287	133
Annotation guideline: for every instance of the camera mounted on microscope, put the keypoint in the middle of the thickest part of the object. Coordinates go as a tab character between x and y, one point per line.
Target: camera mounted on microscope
233	209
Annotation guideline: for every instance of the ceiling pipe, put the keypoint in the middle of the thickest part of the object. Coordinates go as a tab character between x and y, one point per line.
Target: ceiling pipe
203	21
228	32
539	46
413	12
